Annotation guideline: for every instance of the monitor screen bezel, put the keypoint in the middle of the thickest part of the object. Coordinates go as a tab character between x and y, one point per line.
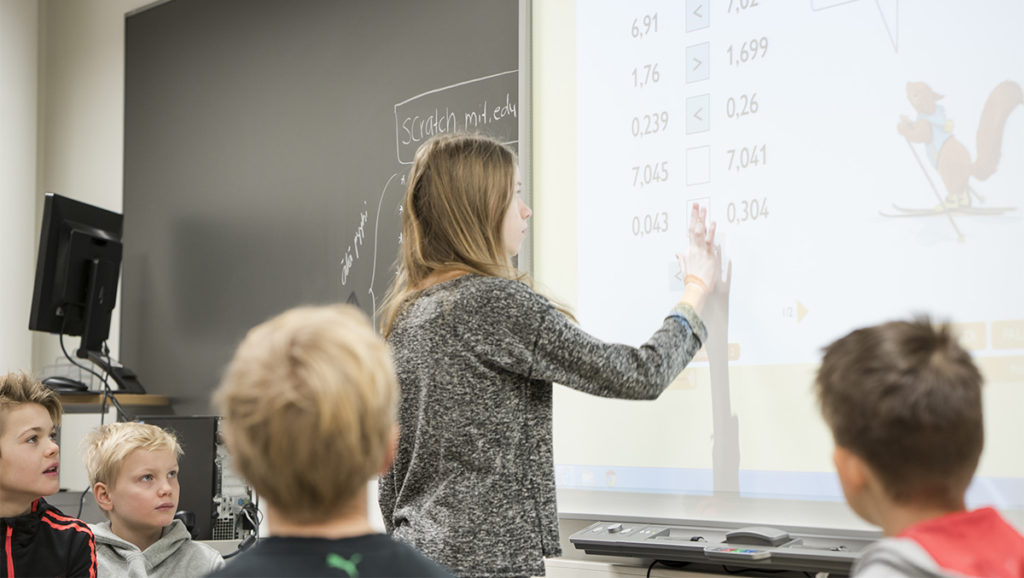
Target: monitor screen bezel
72	235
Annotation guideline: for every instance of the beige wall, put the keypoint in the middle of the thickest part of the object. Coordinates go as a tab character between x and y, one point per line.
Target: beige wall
81	111
18	66
61	130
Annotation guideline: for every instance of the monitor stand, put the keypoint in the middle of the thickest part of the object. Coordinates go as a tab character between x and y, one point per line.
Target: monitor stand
123	377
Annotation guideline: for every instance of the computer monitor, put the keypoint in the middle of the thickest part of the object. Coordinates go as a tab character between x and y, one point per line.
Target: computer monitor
77	272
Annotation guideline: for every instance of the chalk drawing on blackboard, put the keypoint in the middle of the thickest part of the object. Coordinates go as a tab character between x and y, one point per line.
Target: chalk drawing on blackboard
376	228
351	254
488	104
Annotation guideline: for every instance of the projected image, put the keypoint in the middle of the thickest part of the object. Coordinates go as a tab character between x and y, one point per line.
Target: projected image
934	131
861	167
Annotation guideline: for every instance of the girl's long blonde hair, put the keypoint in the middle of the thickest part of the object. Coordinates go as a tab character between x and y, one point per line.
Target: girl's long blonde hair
459	190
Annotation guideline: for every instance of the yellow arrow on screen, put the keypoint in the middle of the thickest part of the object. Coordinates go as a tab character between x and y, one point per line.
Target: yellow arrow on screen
801	311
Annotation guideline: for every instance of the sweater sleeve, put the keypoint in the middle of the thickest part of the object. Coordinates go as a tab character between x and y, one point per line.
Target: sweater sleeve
386	499
890	557
528	335
82	555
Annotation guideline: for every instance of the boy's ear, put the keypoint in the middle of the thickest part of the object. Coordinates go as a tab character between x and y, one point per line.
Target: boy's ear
855	477
851	470
860	485
389	458
99	491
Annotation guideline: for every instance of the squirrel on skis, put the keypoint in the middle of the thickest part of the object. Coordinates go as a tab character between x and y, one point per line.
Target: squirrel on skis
949	157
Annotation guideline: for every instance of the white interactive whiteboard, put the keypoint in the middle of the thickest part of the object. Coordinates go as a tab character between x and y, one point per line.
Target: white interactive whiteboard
786	120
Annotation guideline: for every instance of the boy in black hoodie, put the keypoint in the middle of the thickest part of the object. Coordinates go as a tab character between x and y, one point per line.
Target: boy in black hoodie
36	539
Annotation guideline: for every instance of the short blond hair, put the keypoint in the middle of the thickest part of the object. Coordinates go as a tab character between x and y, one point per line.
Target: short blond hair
18	388
106	447
309	404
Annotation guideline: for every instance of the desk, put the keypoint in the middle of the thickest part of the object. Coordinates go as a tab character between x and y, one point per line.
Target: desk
90	402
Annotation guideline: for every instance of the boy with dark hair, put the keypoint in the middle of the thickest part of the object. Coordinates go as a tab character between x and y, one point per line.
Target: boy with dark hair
903	401
36	539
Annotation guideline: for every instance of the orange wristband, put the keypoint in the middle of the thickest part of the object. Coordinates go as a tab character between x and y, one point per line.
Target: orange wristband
696	281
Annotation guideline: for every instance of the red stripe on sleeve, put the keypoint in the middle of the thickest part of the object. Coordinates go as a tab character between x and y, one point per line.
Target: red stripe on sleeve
66	522
92	556
10	556
61	518
58	526
78	526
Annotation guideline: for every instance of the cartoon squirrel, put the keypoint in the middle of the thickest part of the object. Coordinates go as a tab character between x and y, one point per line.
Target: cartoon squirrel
949	157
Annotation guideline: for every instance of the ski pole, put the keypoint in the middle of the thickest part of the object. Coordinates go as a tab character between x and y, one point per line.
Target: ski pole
959	235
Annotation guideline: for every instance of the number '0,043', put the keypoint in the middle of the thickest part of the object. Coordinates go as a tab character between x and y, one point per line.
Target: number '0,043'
650	224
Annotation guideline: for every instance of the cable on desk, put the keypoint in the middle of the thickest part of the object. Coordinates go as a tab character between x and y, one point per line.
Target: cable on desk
666	563
250	512
742	570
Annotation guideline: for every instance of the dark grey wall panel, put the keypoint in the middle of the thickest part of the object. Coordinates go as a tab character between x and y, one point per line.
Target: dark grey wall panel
266	144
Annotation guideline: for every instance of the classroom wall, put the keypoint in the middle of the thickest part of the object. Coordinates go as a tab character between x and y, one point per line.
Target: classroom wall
18	65
81	128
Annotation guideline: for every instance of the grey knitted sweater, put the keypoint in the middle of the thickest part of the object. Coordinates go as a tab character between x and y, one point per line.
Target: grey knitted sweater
473	483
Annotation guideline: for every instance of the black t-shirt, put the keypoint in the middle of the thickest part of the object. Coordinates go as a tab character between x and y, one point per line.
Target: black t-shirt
362	557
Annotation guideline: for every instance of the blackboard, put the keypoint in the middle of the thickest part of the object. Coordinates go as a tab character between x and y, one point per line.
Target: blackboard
266	148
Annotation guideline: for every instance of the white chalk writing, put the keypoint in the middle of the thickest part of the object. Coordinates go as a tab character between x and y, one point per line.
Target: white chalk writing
352	252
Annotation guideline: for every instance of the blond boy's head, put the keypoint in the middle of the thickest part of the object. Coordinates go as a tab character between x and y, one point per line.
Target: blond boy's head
18	388
905	398
106	448
309	404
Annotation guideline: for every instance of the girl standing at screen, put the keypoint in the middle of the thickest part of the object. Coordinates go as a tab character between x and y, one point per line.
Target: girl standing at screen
477	350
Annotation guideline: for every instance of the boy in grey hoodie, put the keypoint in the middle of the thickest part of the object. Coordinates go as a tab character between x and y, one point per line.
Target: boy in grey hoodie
133	469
